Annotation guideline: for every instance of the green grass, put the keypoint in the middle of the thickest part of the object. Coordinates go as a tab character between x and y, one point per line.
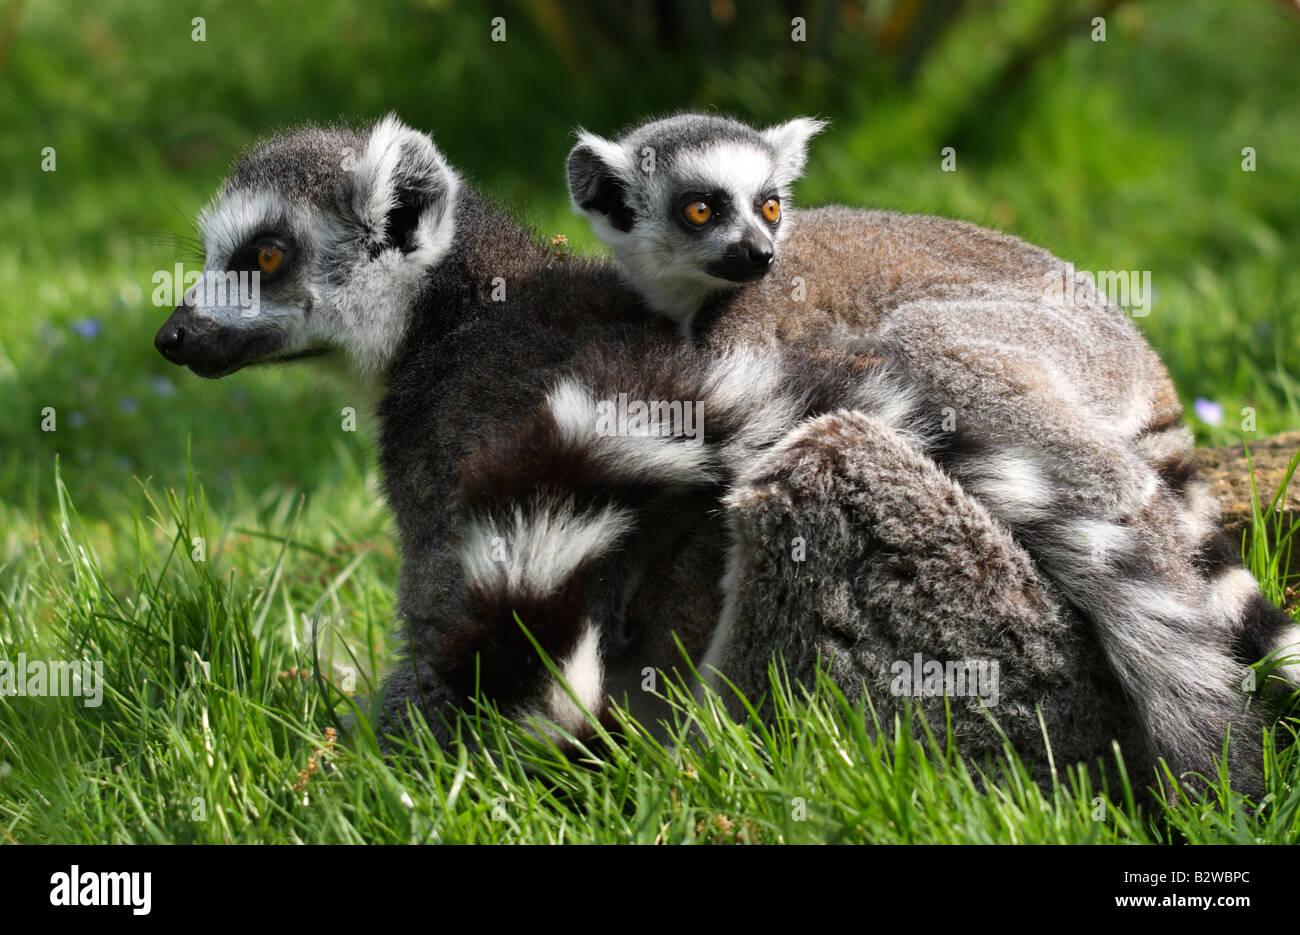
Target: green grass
1119	156
209	732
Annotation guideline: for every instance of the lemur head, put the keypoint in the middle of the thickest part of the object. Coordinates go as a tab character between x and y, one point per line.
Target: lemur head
317	243
690	204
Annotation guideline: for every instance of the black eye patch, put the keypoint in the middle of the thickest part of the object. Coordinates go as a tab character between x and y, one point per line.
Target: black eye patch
245	259
720	205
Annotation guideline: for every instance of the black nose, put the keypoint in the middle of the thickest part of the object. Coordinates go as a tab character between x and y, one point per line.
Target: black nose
169	340
181	337
746	260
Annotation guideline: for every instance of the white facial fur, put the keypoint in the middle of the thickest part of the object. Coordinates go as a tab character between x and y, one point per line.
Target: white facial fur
669	263
336	295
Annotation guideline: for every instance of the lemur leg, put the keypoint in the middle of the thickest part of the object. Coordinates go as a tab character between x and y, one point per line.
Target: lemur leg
851	546
417	680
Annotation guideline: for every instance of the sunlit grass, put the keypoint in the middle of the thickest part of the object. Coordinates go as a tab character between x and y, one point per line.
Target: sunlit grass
227	716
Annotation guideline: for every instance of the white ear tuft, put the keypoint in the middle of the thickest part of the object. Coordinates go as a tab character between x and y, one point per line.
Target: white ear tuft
592	162
790	140
403	169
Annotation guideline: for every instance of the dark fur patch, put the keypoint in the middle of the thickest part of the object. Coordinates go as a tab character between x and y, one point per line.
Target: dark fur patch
686	131
610	199
494	648
1262	626
401	222
302	165
1176	471
1216	554
1172	421
954	450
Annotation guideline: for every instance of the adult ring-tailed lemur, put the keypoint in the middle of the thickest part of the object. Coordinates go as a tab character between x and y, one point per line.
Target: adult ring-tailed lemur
389	266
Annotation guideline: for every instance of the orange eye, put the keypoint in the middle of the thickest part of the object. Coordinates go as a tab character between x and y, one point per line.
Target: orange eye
697	213
269	258
772	210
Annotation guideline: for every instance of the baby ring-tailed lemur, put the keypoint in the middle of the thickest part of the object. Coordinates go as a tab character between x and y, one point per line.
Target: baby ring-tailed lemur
1079	447
371	254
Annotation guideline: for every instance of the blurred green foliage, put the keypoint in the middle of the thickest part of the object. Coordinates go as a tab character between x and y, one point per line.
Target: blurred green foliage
1123	154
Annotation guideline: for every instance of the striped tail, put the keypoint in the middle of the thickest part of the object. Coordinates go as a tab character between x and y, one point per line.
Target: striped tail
561	516
1177	616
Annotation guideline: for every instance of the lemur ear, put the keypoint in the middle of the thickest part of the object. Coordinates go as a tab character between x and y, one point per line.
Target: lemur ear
598	169
404	192
790	140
